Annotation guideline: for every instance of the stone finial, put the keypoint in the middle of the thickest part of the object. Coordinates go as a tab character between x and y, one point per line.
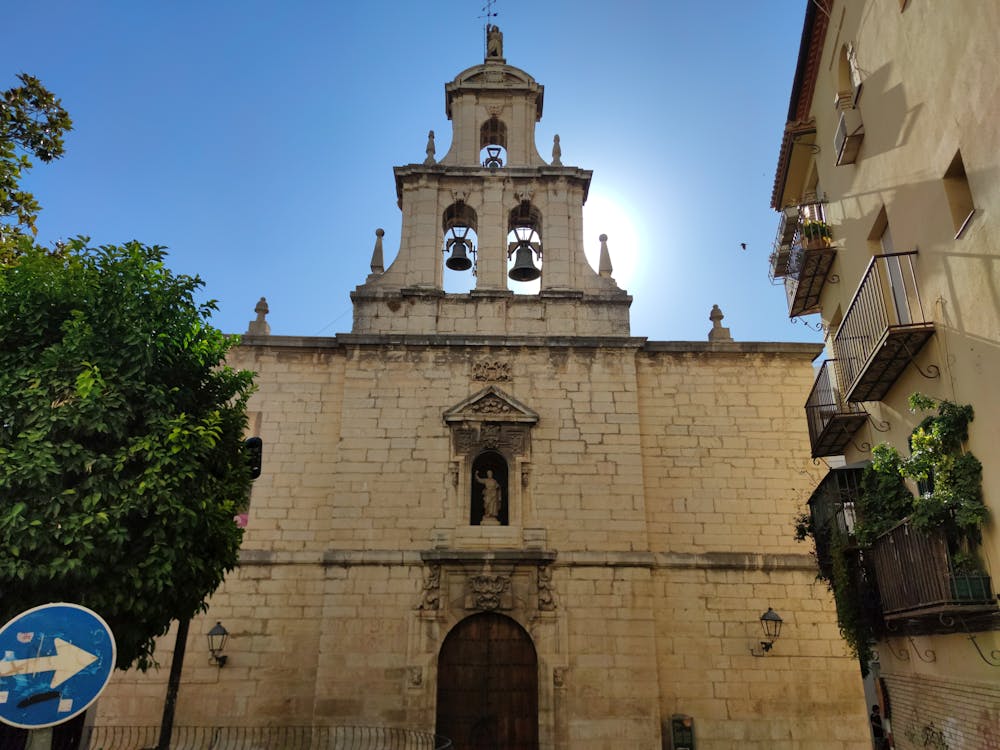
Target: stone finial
430	149
260	326
556	152
378	264
718	333
604	266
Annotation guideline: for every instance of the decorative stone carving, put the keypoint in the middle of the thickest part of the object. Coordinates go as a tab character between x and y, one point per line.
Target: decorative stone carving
460	196
546	589
490	405
453	470
556	152
559	677
415	677
494	370
489	435
465	439
487	592
509	439
495	110
431	598
485	405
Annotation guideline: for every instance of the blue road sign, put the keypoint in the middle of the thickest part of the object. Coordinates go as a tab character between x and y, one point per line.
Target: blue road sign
54	662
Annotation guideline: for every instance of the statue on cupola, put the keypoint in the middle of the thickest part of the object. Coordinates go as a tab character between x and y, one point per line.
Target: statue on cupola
494	42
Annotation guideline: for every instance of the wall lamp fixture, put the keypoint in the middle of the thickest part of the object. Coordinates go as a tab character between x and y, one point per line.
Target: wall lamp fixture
771	623
217	638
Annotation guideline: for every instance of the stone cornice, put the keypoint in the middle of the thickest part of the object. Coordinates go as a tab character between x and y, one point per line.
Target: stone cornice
583	342
586	559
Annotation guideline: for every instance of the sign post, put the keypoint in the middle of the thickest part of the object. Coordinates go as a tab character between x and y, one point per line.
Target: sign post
54	661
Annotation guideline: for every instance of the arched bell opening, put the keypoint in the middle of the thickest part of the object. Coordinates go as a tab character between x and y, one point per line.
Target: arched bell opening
490	498
493	143
524	247
460	244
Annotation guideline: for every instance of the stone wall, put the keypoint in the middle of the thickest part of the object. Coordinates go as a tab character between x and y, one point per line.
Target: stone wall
650	526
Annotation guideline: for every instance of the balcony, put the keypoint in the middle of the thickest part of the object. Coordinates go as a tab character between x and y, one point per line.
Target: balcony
883	330
916	579
832	420
831	507
802	256
788	226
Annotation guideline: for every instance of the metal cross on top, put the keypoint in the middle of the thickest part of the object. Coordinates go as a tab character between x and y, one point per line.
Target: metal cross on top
488	13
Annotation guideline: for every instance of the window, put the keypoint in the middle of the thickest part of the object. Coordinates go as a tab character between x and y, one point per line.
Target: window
956	187
850	130
897	287
493	143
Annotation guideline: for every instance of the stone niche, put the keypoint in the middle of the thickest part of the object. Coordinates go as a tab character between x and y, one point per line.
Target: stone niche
491	455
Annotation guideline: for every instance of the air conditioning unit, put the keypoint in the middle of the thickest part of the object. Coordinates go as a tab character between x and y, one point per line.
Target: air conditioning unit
850	133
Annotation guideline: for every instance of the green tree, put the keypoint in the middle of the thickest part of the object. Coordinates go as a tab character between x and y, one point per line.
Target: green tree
121	440
32	121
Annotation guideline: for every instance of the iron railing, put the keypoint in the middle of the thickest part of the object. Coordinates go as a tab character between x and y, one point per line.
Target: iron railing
832	509
263	738
832	420
915	575
787	247
883	328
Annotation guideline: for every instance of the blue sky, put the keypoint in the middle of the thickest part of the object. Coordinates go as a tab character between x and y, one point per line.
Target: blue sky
256	140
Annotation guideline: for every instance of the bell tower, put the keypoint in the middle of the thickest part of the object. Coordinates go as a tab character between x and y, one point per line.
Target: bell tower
492	207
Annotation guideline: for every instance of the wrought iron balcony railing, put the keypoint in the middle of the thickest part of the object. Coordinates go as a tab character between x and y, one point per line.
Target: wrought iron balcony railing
832	420
832	511
916	578
802	256
883	329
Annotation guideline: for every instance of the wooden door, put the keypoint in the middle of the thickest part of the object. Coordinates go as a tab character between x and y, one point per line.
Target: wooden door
488	685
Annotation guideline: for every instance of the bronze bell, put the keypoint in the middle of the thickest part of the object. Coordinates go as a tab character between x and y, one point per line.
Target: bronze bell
524	268
459	260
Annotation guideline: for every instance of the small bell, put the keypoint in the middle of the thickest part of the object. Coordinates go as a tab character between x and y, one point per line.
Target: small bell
524	267
459	260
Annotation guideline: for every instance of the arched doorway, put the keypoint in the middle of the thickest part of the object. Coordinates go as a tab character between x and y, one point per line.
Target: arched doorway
487	695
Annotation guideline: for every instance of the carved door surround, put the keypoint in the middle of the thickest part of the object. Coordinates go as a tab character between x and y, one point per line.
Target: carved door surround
490	420
460	586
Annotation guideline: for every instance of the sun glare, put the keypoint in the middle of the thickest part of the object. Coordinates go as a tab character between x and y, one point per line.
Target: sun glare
603	214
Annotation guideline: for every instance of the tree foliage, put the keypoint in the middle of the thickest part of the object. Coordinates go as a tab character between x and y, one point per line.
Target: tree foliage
121	440
32	121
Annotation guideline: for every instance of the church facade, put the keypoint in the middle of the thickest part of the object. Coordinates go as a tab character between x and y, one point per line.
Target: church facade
501	518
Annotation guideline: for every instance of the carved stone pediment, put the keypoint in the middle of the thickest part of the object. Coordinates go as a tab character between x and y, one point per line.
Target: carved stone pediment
490	405
506	75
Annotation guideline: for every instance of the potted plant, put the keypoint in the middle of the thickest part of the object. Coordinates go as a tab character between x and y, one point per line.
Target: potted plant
815	234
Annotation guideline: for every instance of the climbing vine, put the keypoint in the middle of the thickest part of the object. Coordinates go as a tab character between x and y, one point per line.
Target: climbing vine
948	478
949	482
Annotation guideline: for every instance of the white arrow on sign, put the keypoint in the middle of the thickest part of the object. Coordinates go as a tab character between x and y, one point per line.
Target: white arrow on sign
67	661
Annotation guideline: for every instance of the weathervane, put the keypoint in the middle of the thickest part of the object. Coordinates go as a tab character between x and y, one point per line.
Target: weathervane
488	13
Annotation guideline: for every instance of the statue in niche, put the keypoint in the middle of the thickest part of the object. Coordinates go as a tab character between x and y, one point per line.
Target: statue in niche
492	497
494	42
489	494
